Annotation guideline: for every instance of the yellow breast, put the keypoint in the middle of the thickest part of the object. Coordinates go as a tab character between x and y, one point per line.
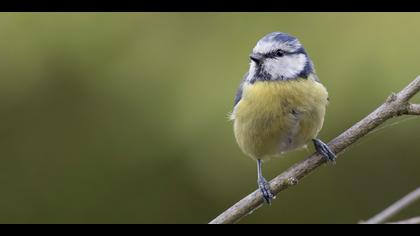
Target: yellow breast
278	116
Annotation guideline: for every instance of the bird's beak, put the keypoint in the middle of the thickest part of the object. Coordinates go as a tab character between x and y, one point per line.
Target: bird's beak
256	57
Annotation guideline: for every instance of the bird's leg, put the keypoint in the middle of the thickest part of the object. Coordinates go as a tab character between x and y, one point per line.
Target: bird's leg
324	150
263	185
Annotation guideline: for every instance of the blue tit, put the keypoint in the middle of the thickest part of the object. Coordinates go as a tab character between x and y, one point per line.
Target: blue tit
280	104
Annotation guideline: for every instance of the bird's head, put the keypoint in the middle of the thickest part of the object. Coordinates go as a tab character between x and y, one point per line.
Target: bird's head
279	56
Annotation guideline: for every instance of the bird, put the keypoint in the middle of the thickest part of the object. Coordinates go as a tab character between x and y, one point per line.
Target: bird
280	104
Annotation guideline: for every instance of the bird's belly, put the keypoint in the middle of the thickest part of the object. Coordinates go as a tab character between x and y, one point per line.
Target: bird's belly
278	116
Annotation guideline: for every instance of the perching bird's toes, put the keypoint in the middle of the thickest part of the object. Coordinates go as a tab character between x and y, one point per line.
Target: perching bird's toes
265	190
324	150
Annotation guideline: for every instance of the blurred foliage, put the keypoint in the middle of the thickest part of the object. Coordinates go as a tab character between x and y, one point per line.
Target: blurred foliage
122	117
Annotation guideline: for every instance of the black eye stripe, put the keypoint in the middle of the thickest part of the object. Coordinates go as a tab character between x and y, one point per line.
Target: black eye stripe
277	53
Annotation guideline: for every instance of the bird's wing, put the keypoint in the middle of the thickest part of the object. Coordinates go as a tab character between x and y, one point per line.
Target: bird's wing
316	77
239	92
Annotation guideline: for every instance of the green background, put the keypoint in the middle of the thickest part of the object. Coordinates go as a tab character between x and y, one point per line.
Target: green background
122	117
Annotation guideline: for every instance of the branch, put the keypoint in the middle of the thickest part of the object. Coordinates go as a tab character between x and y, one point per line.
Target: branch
395	208
395	105
415	220
413	109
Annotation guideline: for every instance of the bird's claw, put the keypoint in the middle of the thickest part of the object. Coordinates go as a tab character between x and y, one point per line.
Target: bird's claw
324	150
265	190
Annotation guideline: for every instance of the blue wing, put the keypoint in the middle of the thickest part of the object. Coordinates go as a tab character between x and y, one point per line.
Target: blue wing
239	92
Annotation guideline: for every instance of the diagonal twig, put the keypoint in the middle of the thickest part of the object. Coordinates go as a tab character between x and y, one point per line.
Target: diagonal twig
395	208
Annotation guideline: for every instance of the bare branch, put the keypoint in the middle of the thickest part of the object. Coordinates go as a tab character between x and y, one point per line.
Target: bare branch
413	109
395	208
414	220
408	92
395	105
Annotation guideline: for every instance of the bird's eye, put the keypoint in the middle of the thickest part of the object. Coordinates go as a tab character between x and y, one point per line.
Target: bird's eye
279	53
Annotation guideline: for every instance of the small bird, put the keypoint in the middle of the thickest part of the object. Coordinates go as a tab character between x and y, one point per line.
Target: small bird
280	104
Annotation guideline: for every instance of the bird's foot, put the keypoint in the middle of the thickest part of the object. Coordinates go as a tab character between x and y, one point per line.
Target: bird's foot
324	150
264	187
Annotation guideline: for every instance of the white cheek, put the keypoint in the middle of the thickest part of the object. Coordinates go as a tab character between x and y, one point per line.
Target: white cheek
287	66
